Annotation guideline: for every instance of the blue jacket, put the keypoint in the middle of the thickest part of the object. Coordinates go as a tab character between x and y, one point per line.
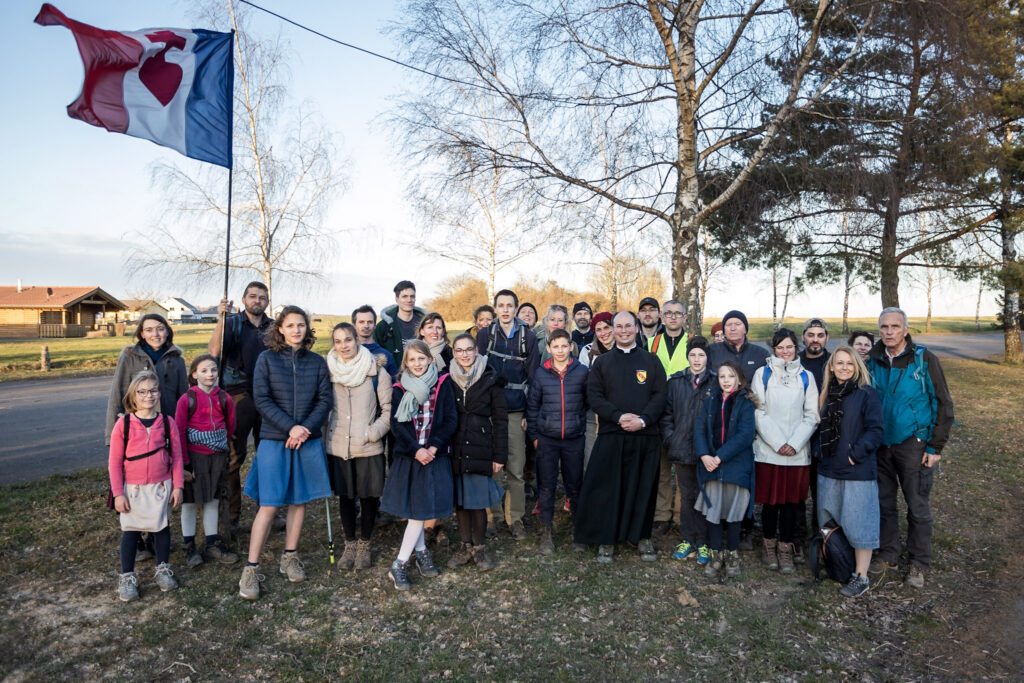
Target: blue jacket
291	387
737	450
860	435
444	421
557	406
915	397
515	359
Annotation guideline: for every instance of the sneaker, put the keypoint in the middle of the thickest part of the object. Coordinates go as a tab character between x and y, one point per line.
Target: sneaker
547	544
715	562
461	557
518	530
732	564
746	541
164	577
703	554
857	585
482	558
915	577
769	554
128	587
683	551
605	554
536	507
218	552
647	551
192	557
400	575
291	565
348	555
364	555
425	563
879	566
249	584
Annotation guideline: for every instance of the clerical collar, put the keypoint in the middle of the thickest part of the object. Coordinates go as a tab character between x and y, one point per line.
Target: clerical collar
629	350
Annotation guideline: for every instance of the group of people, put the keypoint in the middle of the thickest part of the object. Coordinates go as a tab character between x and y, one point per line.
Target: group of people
641	422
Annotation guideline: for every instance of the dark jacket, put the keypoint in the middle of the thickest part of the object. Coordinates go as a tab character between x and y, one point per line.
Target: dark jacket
915	398
482	435
557	406
444	423
243	344
860	435
737	449
621	382
170	371
291	387
388	334
749	356
515	359
683	403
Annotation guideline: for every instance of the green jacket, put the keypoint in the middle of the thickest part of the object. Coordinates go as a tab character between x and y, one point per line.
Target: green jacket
389	335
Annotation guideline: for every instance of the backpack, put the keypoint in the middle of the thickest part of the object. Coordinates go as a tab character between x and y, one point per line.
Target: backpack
127	430
768	373
832	552
222	399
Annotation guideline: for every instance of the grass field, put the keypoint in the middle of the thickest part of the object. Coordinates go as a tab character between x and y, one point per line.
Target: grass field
561	617
19	359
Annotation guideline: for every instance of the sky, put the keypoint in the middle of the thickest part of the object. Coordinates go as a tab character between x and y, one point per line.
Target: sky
77	198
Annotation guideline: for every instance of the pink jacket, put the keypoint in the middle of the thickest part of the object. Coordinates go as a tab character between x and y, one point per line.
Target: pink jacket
207	418
152	470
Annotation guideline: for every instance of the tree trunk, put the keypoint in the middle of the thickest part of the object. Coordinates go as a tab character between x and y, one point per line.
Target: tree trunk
890	279
977	308
847	277
1014	351
775	299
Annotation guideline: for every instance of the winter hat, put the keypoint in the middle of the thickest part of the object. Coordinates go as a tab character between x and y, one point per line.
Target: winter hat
697	342
736	314
582	305
603	316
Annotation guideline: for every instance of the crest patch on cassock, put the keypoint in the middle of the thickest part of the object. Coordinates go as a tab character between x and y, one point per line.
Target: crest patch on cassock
641	376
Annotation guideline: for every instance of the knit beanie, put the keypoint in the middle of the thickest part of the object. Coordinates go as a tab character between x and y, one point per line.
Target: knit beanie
736	314
603	316
697	342
581	306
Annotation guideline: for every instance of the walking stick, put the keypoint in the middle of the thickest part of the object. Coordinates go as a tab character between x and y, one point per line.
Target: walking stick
330	536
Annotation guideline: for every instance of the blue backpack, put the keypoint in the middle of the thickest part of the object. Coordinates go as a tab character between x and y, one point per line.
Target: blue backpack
768	373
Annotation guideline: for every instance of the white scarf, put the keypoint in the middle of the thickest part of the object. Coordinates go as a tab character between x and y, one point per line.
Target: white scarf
467	379
435	350
353	372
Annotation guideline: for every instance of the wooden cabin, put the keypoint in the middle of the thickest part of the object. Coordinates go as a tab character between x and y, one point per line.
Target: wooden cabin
37	312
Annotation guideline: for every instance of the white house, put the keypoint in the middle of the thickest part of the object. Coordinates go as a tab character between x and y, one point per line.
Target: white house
180	311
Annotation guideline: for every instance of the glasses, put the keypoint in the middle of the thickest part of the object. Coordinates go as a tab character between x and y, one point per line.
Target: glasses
464	352
147	392
673	314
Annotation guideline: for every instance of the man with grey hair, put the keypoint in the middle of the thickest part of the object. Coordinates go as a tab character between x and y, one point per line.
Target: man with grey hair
918	413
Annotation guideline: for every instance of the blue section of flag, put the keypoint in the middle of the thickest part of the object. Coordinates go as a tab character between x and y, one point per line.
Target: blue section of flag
208	113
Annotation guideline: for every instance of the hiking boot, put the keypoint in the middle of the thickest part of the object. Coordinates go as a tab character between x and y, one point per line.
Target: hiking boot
684	550
128	587
164	577
144	550
798	553
291	566
703	555
462	557
547	544
218	552
425	563
732	564
857	585
400	575
441	537
769	554
518	530
647	551
249	584
605	554
364	555
348	555
192	557
715	562
879	566
785	552
482	558
915	577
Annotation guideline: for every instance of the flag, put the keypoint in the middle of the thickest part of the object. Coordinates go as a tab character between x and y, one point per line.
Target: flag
171	86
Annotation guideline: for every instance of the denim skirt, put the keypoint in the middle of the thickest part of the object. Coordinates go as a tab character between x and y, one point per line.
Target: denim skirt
853	505
282	476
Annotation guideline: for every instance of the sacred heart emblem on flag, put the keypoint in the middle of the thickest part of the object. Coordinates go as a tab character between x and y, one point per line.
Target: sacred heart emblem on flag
162	78
641	376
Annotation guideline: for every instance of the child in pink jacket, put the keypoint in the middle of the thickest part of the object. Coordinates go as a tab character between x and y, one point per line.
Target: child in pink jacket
146	479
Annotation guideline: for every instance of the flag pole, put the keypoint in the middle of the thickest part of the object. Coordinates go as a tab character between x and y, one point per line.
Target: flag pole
227	239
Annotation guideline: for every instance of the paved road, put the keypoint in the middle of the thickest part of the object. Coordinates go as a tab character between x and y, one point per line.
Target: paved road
55	425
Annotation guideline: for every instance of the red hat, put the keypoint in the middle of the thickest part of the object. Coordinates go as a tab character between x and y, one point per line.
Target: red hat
717	327
603	316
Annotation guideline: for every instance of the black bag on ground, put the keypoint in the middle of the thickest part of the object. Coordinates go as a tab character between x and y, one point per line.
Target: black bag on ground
832	552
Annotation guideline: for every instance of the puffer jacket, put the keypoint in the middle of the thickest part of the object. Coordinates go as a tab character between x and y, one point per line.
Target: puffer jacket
736	451
170	371
291	387
360	420
482	435
860	435
556	406
786	413
682	406
749	356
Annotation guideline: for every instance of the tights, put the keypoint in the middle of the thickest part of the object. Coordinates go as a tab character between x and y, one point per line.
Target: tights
211	518
412	540
368	507
782	519
129	544
472	525
732	535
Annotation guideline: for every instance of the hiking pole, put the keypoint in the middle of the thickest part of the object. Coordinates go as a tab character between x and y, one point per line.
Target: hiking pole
330	536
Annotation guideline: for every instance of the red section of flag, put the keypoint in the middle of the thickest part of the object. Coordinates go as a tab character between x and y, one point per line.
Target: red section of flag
106	56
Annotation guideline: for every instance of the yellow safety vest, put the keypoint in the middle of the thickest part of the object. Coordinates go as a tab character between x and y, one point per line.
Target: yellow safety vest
677	363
